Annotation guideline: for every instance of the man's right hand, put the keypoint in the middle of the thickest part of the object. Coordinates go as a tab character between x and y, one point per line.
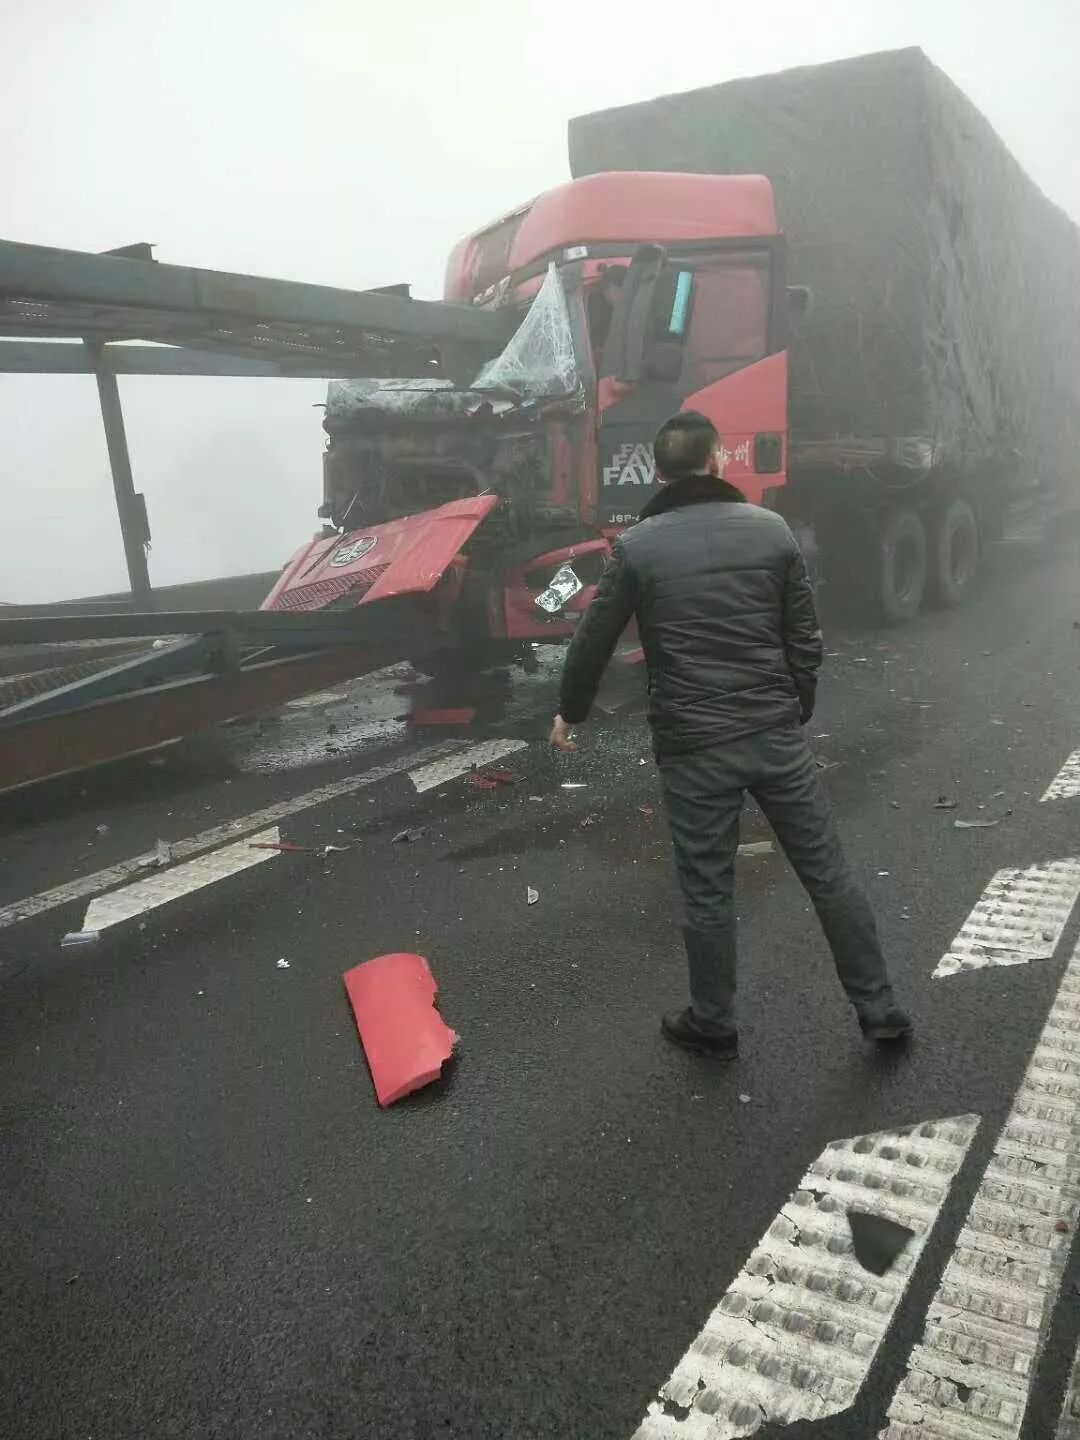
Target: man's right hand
562	737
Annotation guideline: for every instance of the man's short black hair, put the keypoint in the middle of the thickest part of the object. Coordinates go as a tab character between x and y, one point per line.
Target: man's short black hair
683	444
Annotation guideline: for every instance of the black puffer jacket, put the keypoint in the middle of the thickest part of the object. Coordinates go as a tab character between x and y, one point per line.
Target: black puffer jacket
726	614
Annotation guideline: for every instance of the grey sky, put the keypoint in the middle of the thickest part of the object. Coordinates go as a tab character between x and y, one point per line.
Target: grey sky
352	144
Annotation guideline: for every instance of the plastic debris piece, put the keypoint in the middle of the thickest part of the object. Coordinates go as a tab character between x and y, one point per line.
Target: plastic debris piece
162	856
101	829
283	964
409	837
975	824
481	782
505	777
647	811
589	820
876	1240
532	896
75	938
894	804
325	850
405	1039
573	785
744	1099
757	847
286	845
463	716
943	803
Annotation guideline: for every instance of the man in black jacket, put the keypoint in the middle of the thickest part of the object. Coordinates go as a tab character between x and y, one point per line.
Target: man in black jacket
732	644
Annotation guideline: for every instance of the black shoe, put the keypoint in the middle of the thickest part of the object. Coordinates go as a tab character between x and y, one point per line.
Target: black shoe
894	1024
681	1028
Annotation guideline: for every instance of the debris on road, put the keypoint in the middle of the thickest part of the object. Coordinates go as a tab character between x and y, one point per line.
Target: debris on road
505	777
325	850
287	845
757	847
532	896
572	785
409	837
944	803
975	824
283	964
589	820
463	716
75	938
876	1240
405	1039
162	856
101	829
745	1099
647	811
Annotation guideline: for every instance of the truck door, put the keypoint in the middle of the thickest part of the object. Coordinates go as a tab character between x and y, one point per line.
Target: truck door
698	330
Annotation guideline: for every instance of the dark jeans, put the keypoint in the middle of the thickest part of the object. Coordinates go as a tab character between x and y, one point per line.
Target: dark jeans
704	794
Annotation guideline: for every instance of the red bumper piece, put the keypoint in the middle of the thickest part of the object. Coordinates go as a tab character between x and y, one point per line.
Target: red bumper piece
405	1038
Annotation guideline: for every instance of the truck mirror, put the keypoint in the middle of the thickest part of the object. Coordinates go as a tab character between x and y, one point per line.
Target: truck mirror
799	300
663	361
631	326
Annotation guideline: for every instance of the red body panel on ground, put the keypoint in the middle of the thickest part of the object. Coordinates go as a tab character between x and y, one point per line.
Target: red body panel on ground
405	1038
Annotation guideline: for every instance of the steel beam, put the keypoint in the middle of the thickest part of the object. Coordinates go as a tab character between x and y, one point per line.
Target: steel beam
323	627
42	357
41	273
130	507
112	729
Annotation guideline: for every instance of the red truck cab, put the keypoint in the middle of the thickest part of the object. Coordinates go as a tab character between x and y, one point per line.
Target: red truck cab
701	324
474	498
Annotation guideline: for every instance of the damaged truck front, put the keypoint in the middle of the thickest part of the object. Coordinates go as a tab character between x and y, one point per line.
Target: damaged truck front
463	502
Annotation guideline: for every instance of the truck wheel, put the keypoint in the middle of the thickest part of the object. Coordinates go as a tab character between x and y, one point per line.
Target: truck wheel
956	554
901	580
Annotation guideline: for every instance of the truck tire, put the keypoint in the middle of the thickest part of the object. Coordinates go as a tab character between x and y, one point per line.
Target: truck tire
956	553
902	566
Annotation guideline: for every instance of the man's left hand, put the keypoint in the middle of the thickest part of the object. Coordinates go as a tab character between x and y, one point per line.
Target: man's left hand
562	737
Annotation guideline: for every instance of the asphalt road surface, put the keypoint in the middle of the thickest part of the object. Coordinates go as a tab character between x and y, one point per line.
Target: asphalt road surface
210	1229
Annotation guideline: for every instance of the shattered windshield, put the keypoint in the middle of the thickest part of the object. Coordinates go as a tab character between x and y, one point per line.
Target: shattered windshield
538	363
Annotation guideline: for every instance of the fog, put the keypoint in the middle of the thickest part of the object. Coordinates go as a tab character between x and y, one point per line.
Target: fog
353	145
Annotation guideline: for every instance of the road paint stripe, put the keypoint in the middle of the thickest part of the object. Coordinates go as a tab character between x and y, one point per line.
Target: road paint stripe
439	772
1069	1424
159	889
970	1374
1066	782
795	1335
101	880
1019	918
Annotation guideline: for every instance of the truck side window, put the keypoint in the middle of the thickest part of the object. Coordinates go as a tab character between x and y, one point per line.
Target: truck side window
729	319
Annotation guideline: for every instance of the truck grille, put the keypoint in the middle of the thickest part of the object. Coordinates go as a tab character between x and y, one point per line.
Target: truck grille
341	593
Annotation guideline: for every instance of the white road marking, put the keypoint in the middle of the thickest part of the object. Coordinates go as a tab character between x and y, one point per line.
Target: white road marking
795	1335
168	885
427	777
113	875
1019	918
1069	1424
1066	782
970	1375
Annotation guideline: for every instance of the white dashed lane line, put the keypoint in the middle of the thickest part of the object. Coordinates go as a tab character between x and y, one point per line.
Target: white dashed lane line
181	880
1019	918
1066	783
796	1334
97	883
970	1376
